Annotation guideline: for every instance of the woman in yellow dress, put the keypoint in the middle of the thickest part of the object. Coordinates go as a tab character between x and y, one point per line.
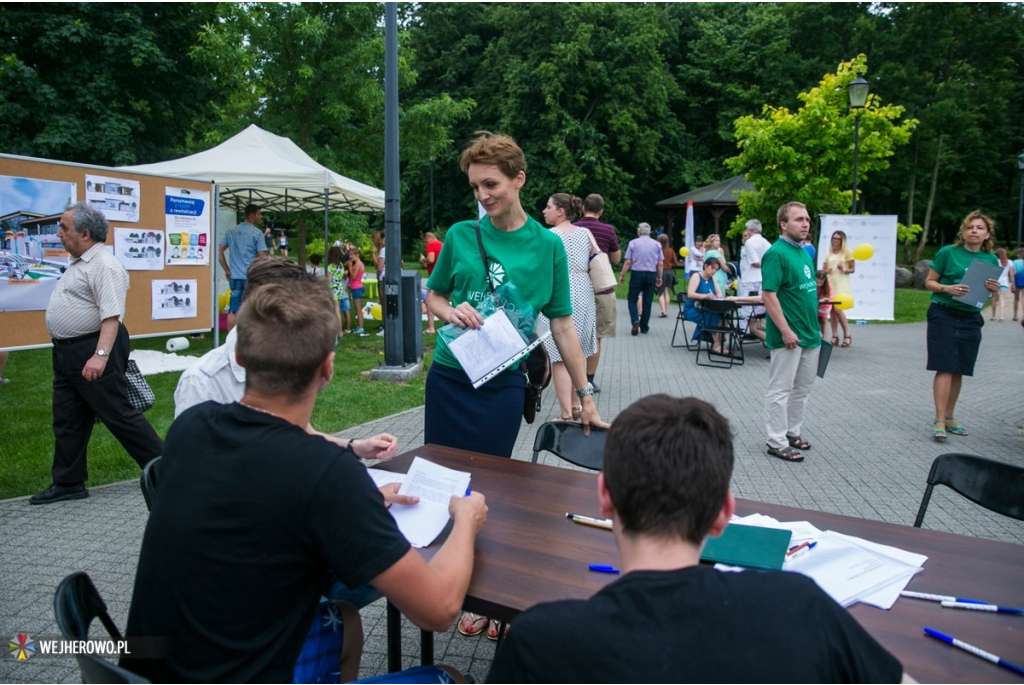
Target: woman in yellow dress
839	265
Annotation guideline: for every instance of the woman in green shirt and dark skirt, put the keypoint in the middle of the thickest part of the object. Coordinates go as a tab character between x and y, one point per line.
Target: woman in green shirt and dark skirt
954	328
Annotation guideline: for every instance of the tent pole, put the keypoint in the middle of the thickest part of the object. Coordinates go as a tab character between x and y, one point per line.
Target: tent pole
327	199
213	266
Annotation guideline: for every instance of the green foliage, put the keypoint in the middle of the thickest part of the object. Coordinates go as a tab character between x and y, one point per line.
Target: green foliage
905	233
807	155
102	83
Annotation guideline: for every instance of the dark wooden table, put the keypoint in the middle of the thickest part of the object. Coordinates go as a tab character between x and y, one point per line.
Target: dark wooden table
530	553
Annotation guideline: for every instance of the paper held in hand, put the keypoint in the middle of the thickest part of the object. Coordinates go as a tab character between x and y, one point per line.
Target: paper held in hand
486	351
435	485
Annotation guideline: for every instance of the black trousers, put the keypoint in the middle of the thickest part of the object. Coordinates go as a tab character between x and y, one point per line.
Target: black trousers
77	402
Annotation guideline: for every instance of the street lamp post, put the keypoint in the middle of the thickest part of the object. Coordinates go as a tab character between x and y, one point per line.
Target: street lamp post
857	91
1020	191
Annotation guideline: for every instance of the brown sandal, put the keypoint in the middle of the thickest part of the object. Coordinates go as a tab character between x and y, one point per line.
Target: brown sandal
785	453
477	624
847	341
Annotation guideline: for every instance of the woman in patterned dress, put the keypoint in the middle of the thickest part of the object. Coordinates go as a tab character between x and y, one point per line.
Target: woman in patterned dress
562	209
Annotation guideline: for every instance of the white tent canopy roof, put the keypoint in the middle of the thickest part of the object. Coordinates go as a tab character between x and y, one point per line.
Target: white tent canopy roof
259	167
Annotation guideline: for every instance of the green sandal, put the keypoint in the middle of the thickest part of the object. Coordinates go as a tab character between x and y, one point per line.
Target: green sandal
955	427
939	431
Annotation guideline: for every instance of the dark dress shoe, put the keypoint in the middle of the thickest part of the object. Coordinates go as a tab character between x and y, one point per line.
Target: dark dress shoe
597	388
59	493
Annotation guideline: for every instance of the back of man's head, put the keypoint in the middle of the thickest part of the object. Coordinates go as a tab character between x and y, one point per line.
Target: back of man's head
285	331
593	204
667	466
754	225
644	228
265	270
251	211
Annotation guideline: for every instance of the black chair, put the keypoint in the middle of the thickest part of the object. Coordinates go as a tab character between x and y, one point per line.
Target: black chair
148	481
995	485
691	345
565	439
75	604
728	326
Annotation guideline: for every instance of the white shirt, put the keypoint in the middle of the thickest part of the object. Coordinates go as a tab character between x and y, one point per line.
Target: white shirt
215	376
92	289
752	253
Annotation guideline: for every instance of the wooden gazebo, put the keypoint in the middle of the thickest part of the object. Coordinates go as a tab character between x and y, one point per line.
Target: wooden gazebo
717	199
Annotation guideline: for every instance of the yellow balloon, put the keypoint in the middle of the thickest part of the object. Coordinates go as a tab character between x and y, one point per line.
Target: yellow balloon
843	301
223	300
375	312
863	252
684	251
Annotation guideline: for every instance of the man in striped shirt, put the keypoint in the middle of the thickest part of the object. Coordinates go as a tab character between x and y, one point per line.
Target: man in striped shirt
90	354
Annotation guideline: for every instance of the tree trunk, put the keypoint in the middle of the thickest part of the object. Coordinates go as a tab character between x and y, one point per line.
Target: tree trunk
931	201
910	201
302	240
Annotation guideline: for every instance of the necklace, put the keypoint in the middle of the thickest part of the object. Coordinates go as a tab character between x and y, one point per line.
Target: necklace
262	411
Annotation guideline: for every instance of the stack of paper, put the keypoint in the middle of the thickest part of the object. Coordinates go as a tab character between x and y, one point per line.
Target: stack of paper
435	485
849	569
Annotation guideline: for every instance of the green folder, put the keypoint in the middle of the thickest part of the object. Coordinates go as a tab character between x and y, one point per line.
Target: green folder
748	546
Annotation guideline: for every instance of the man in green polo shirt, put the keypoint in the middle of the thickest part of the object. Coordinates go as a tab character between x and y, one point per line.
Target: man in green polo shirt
791	299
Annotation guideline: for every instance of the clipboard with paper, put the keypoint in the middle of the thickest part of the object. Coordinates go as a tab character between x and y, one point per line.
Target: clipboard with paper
504	339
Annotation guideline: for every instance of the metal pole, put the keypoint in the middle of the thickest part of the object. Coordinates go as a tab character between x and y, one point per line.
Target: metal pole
856	150
391	288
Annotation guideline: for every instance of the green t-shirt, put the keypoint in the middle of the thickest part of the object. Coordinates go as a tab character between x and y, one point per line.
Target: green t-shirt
787	271
531	257
950	263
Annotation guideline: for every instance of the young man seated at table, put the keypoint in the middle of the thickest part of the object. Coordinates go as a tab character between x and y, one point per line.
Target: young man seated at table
665	485
253	513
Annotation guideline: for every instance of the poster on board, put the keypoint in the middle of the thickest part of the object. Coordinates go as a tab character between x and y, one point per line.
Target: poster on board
139	249
32	257
117	198
873	281
188	227
174	299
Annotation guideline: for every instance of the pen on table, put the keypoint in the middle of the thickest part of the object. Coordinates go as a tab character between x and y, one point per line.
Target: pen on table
800	550
589	521
972	606
939	598
604	568
468	490
987	656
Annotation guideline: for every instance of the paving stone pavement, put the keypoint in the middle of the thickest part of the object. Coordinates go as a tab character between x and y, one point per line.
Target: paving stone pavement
868	420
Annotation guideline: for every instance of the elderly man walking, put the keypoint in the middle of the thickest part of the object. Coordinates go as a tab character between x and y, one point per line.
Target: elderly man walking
644	258
90	354
791	298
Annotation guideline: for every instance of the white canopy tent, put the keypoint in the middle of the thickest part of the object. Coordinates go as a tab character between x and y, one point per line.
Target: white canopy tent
261	168
271	171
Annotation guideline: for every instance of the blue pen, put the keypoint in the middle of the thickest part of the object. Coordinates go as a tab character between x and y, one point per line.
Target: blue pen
973	606
987	656
799	551
604	568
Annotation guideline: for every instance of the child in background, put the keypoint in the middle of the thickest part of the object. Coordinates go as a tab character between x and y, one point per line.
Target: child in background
338	272
824	295
356	270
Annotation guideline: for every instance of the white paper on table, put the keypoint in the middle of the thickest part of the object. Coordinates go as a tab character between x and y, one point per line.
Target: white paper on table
886	596
382	478
483	350
421	523
849	572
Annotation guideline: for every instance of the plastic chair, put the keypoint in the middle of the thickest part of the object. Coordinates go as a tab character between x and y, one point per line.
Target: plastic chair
728	327
691	345
995	485
565	439
148	481
75	604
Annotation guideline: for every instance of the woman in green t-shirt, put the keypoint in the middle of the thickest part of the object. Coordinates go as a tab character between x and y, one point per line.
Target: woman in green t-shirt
954	328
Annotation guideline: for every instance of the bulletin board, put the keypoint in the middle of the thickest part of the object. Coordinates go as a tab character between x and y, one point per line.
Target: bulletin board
144	204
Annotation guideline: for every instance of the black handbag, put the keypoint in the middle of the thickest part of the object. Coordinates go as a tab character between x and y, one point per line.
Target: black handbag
536	367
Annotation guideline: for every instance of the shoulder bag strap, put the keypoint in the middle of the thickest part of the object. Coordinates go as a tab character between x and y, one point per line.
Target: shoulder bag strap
483	257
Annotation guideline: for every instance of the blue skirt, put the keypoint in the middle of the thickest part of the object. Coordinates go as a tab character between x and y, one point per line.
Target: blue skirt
485	419
954	336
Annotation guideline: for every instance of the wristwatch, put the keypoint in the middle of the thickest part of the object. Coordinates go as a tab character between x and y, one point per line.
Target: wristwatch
585	392
102	353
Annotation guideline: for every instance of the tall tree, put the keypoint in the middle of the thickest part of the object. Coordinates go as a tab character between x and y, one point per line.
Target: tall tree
101	83
807	155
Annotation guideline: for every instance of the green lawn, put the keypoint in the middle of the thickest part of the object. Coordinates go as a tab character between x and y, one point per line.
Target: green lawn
26	438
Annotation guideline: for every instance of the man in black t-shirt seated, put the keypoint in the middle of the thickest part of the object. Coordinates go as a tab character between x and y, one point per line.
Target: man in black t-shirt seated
253	514
665	485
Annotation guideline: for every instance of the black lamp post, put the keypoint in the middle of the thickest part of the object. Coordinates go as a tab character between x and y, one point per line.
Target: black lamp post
858	93
1020	190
